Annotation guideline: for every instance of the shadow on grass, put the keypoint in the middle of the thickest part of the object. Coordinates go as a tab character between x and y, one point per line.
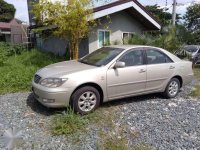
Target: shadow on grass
40	109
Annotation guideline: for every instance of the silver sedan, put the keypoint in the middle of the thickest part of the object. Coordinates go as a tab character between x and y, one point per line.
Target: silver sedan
110	73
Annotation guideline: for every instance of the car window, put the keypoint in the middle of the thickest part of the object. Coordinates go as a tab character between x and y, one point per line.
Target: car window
191	48
101	56
132	58
156	57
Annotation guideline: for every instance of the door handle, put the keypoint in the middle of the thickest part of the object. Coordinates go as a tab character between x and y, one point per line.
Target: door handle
142	71
171	67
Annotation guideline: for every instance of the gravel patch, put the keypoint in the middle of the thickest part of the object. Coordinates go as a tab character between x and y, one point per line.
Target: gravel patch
160	123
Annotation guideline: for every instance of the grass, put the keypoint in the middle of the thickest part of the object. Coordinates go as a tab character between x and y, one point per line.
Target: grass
17	72
197	72
70	123
111	136
196	91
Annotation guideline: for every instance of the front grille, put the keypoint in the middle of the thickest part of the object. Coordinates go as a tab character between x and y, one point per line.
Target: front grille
37	78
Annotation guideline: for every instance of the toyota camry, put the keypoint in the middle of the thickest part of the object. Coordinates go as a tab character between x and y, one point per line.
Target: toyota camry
110	73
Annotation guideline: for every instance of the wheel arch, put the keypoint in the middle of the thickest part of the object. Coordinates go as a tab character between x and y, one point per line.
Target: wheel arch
95	85
180	79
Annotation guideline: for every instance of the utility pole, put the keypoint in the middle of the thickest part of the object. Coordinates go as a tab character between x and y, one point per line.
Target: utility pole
174	13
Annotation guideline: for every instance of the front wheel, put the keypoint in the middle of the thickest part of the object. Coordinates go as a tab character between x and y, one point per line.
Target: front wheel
172	88
85	100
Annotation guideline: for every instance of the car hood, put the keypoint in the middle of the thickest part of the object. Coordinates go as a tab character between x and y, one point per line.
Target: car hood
63	68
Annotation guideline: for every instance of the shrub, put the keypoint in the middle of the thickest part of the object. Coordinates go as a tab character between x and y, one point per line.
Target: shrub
169	40
3	55
18	72
12	49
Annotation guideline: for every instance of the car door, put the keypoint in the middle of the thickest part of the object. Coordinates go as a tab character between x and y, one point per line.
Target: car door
130	79
159	69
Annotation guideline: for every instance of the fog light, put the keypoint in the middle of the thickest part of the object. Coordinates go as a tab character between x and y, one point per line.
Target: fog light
48	100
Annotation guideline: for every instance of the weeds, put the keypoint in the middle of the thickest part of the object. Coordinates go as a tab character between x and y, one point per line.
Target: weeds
196	91
197	72
17	72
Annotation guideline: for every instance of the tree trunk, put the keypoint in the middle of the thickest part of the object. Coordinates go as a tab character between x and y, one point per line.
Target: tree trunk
74	50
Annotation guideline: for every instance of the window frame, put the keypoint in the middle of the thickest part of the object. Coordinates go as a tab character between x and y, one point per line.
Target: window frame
130	50
128	35
198	52
103	30
146	60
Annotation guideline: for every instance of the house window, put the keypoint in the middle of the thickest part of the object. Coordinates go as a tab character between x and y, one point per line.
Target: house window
127	36
104	38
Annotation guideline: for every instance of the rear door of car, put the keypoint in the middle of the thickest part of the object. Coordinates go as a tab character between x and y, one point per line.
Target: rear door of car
159	69
128	80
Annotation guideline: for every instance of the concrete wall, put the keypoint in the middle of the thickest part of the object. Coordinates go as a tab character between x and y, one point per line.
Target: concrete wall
120	22
52	44
60	46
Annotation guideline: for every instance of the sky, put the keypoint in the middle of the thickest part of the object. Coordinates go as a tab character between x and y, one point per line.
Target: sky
22	10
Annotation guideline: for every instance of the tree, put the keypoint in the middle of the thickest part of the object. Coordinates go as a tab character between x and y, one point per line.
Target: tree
161	14
7	11
191	16
72	19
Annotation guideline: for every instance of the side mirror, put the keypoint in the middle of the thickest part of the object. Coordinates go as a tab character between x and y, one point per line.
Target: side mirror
119	64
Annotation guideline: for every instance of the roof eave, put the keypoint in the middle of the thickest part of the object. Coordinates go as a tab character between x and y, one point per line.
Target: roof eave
122	5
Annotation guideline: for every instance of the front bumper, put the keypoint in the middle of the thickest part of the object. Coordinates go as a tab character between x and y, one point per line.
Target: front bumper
51	97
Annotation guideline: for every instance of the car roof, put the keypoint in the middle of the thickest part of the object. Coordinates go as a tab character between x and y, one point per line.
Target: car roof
126	47
129	46
192	46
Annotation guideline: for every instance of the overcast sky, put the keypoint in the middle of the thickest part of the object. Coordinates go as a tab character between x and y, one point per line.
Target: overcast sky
22	11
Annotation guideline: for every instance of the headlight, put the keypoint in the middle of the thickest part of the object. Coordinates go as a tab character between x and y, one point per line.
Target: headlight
52	82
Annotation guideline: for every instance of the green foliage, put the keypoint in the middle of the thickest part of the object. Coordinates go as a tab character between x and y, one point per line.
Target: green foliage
70	17
12	49
3	55
7	11
114	144
161	15
18	70
196	91
142	147
169	41
192	14
197	72
195	37
70	123
7	50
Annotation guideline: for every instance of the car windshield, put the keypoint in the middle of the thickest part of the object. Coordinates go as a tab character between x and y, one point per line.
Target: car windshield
101	57
191	49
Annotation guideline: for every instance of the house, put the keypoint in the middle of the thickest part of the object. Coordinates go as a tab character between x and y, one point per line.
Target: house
14	32
127	17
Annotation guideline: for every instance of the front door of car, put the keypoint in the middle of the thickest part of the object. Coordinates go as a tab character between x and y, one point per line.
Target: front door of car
130	79
159	69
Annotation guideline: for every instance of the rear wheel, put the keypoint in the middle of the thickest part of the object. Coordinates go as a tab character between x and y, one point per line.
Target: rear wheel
172	88
85	100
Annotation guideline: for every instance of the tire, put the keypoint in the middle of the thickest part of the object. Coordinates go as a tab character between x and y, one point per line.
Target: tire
85	100
172	88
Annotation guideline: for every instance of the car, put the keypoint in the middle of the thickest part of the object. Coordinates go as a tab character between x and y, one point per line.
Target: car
110	73
192	51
